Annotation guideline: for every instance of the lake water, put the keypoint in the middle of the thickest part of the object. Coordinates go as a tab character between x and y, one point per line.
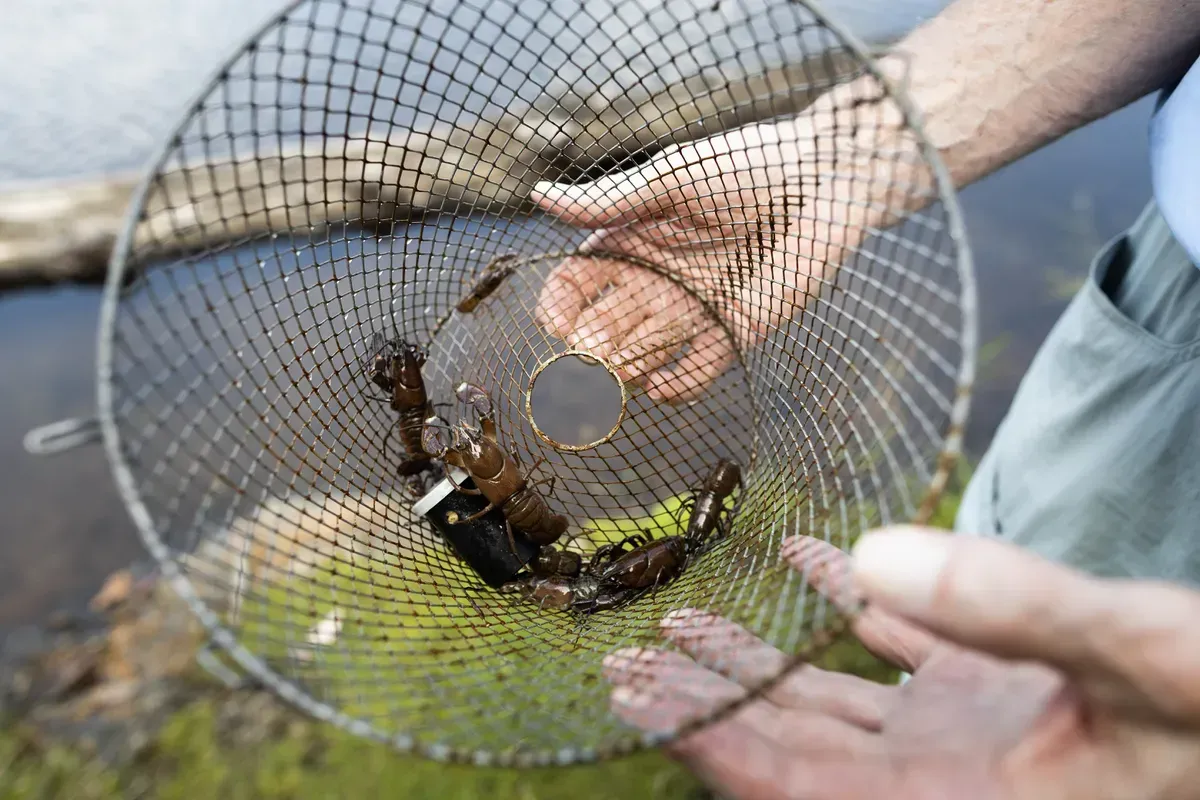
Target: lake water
98	79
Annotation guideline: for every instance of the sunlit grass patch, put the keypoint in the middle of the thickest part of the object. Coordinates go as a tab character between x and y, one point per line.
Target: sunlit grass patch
306	761
428	650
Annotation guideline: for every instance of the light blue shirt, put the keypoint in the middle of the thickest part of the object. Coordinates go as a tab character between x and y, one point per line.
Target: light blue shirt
1175	161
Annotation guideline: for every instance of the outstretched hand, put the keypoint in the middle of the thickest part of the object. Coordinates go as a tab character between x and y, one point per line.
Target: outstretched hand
1029	681
738	218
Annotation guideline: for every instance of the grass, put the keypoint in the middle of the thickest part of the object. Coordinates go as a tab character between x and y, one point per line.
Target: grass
305	759
310	761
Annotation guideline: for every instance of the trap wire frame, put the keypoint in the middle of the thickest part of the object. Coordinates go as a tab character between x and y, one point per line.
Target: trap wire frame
233	404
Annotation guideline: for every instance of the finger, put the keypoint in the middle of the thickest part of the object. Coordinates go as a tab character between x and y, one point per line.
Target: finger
758	750
886	636
647	671
653	344
732	651
853	700
724	647
611	318
610	200
658	339
678	689
571	287
744	758
1135	639
710	355
665	692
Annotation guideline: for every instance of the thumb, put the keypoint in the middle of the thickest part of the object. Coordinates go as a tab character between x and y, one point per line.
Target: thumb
610	200
1121	640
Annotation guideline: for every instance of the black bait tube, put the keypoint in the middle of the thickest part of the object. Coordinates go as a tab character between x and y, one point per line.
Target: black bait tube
482	543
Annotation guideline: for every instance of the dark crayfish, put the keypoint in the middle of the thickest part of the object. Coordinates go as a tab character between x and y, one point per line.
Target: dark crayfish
653	562
489	281
552	562
549	561
611	578
573	588
584	593
619	571
497	474
396	369
707	503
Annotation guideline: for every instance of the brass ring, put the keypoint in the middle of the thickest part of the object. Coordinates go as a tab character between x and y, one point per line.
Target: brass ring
589	358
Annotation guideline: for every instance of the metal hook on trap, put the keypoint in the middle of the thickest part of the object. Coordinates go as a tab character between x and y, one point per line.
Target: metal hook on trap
62	436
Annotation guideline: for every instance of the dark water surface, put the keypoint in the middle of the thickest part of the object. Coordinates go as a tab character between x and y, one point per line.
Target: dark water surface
1034	228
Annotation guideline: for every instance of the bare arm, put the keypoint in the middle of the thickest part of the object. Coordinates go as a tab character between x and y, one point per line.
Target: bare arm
997	79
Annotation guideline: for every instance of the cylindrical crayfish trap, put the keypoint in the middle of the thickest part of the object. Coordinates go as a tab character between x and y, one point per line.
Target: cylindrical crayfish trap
346	218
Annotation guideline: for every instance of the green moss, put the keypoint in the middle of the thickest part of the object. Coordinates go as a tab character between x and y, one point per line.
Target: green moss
29	771
414	633
311	761
663	519
947	508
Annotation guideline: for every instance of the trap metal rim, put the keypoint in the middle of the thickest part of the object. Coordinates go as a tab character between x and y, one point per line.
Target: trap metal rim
256	666
586	357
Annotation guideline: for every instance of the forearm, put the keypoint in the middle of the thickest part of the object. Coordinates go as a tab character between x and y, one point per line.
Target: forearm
994	80
997	79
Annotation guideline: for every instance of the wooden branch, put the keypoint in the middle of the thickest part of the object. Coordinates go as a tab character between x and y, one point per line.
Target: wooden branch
64	232
57	233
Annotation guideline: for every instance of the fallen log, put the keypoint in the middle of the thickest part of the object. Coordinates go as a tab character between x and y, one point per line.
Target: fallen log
64	232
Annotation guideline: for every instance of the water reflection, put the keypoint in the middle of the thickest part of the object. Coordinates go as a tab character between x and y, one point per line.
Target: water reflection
63	526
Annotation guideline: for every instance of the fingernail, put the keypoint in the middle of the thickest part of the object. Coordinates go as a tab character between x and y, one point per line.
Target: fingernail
623	373
592	339
806	554
622	660
796	546
901	567
631	698
575	336
656	385
626	362
680	618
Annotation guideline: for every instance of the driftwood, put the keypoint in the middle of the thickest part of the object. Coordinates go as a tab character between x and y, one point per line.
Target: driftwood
64	232
60	232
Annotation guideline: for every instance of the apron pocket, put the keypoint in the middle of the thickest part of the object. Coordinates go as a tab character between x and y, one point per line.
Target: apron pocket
1102	429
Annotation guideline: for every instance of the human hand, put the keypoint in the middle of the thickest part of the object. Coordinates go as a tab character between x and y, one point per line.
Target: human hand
750	220
1029	681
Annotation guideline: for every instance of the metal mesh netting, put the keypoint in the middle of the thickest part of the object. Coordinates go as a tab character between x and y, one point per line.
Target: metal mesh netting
352	173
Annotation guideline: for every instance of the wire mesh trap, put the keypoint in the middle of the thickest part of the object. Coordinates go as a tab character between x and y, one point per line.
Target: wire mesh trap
361	172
